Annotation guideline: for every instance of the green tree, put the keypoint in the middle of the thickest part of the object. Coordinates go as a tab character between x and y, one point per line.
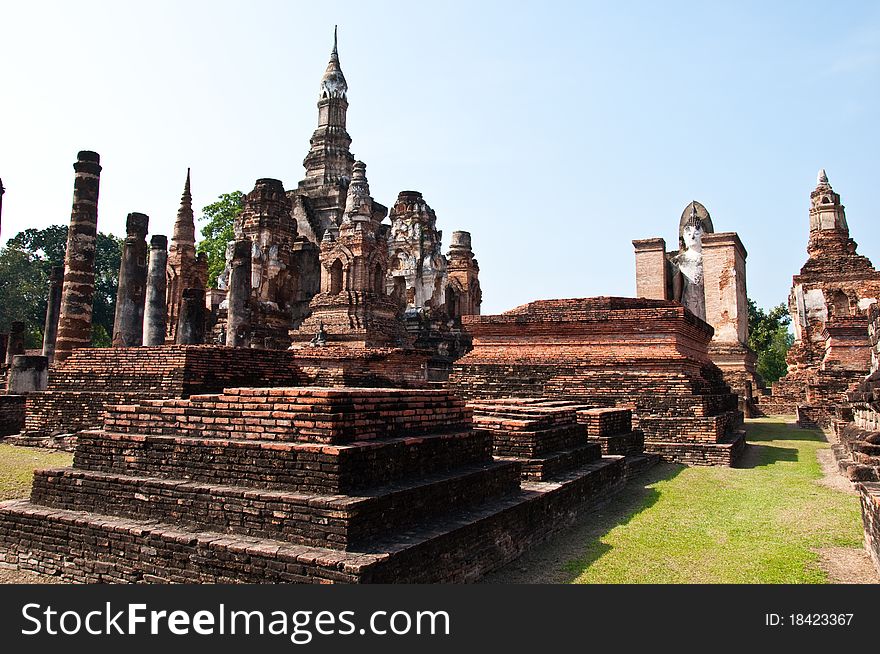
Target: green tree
770	339
25	264
217	232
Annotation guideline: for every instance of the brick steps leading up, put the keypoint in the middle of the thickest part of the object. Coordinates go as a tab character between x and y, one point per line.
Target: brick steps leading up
307	467
543	468
332	521
308	414
460	547
725	452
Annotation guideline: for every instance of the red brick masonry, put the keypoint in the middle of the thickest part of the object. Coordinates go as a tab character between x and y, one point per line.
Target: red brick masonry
650	356
321	485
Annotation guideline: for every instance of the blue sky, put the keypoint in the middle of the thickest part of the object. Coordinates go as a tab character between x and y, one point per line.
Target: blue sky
555	132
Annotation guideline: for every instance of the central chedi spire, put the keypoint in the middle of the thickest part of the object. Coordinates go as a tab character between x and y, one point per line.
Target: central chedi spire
329	160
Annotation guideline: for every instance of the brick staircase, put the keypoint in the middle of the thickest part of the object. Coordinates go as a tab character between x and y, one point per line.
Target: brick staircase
304	485
547	436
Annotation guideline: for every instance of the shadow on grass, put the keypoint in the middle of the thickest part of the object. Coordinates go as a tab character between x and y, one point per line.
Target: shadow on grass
764	430
594	525
759	456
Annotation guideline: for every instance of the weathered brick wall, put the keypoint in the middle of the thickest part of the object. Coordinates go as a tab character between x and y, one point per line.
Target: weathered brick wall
11	414
869	493
90	381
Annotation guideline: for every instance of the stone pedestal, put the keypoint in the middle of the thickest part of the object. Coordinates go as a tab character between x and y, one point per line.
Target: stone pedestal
28	374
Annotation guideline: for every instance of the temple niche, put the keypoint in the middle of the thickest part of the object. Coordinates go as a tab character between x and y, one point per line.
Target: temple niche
829	303
707	274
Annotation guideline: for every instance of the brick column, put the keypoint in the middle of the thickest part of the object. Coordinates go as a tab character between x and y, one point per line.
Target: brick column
239	295
128	325
191	324
724	280
157	282
75	322
53	311
15	344
652	274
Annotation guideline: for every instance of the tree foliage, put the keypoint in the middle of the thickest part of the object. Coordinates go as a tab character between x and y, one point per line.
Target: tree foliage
770	339
217	232
25	264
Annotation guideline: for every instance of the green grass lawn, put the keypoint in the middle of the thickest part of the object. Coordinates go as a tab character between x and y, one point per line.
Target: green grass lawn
759	523
17	465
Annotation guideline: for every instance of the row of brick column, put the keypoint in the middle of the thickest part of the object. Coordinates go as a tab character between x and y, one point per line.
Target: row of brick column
141	302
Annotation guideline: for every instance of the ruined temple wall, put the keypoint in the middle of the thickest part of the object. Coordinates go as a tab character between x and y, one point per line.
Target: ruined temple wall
91	380
869	493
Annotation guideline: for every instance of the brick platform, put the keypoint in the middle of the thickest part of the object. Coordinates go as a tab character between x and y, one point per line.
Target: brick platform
91	380
649	356
297	485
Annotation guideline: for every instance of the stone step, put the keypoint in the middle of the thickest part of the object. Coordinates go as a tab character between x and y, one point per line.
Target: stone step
332	521
725	452
464	544
549	466
309	414
280	465
697	429
531	444
627	444
606	422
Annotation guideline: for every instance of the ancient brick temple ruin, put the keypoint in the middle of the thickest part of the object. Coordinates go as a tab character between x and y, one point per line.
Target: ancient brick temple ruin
707	274
651	356
328	220
339	411
858	448
829	301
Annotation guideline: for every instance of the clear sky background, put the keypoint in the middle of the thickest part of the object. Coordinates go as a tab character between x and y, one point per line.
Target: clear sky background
554	132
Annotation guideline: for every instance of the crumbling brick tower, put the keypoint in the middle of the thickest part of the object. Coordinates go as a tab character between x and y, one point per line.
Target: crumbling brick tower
707	274
828	303
417	272
463	294
278	259
186	269
352	307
